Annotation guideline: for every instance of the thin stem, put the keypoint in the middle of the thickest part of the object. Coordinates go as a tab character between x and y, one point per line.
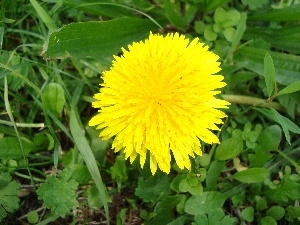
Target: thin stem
288	159
247	100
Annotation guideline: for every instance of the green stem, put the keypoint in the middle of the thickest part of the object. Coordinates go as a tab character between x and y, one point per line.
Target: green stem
288	159
247	100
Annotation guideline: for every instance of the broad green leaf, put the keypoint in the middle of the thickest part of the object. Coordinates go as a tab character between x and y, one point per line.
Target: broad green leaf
204	203
174	17
269	73
268	220
270	138
54	98
44	15
286	38
294	87
209	33
10	148
285	73
229	148
276	211
9	190
248	214
289	13
96	39
59	195
251	175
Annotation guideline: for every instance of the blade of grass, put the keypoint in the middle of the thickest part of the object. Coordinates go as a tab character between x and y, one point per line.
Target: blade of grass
44	15
11	117
88	157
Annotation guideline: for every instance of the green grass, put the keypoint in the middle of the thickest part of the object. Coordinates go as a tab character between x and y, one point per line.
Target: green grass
51	66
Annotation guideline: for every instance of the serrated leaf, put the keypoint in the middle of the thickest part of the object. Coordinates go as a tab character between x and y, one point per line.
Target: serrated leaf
96	39
153	188
59	195
269	73
9	190
54	98
204	203
229	148
251	175
294	87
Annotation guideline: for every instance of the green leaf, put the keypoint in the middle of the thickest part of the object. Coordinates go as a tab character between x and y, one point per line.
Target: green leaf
44	15
248	214
93	197
96	39
59	195
209	33
251	175
153	188
54	98
289	13
270	138
241	27
102	8
229	148
165	210
10	148
277	212
213	174
286	124
9	200
215	217
267	220
229	34
286	38
209	200
33	217
210	5
254	4
285	73
294	87
269	73
174	17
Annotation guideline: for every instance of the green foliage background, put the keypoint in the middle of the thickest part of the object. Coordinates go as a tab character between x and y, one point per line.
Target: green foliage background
55	169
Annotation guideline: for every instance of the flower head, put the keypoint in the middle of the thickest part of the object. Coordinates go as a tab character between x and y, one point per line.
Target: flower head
159	97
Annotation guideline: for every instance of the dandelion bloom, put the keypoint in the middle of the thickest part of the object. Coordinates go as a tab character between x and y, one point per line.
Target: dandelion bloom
159	96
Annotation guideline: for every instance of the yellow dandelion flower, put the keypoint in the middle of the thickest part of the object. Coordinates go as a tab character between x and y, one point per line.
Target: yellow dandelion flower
159	96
